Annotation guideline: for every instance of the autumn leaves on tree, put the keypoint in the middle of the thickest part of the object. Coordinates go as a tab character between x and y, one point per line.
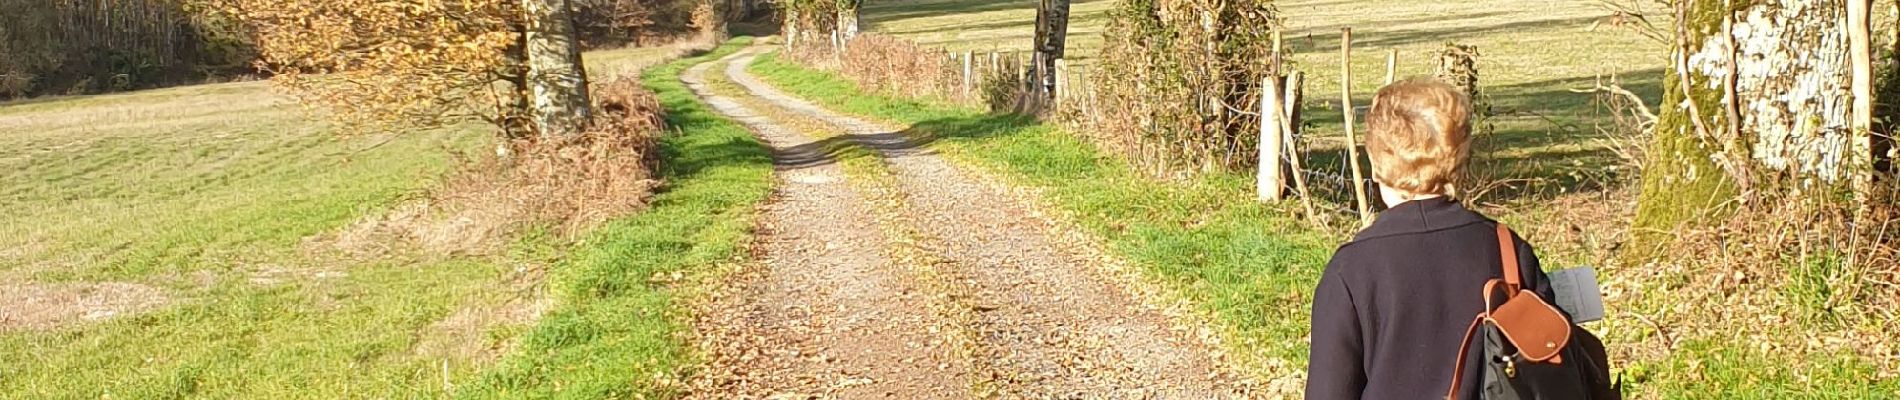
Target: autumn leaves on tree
392	64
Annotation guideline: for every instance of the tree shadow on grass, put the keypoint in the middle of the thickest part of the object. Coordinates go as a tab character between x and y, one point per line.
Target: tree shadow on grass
978	127
878	13
1316	40
688	155
828	150
1546	141
1016	142
959	28
1459	21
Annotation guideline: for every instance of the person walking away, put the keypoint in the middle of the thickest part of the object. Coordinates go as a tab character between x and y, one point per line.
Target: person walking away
1393	305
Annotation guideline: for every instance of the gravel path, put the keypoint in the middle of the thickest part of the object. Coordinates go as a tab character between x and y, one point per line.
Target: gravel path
825	314
1052	320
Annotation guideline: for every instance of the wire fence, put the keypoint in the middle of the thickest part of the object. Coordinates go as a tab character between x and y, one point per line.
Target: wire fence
998	79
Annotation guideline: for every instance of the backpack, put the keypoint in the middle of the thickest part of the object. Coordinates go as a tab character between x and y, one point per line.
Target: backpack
1531	350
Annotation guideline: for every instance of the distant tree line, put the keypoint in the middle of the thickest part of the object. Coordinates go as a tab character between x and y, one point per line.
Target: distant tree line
615	23
88	46
50	47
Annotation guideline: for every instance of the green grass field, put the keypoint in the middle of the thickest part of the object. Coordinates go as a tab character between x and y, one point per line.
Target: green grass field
1531	57
213	200
192	224
206	193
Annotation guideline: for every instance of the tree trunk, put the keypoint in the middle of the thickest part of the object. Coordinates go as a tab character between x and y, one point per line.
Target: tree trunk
788	29
557	81
1887	106
848	20
1757	91
1052	32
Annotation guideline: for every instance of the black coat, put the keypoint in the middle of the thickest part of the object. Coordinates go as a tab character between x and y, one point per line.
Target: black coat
1393	304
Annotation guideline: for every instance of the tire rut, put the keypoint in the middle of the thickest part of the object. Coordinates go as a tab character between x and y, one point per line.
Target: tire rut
1052	323
824	313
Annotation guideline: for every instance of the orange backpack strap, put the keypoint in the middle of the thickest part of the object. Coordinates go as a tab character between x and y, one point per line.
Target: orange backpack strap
1507	249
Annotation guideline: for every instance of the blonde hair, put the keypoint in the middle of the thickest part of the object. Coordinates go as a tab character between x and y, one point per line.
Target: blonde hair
1418	134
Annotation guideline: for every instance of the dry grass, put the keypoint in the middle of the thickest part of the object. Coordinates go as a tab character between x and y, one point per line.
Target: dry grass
1794	280
571	184
894	66
59	305
466	336
605	172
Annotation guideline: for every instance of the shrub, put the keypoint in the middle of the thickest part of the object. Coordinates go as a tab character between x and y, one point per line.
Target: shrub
1006	89
1182	76
604	172
890	65
15	84
570	184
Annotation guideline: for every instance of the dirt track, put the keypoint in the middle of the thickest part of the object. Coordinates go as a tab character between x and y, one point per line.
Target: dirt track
1041	316
826	314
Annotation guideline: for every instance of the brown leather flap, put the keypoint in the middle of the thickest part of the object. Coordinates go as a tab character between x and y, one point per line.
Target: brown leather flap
1537	329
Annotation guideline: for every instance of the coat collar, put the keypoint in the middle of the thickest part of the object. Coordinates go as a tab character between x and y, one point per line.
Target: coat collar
1418	216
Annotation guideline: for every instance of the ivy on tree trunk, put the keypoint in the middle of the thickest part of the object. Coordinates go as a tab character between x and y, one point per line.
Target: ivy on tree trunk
1757	92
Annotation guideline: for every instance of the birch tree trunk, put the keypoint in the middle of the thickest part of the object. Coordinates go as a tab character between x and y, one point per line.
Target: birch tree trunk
557	81
1052	32
1759	90
789	28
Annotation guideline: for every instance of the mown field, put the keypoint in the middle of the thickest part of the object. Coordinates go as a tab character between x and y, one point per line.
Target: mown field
184	242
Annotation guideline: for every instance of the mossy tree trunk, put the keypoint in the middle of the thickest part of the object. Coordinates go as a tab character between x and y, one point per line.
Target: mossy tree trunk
557	80
1757	93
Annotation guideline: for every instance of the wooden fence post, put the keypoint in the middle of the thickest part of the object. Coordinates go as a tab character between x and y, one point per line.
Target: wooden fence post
966	75
1278	58
1095	106
1086	96
994	67
1391	65
1022	71
1352	142
1295	93
1062	82
1861	146
1268	185
1041	74
837	49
